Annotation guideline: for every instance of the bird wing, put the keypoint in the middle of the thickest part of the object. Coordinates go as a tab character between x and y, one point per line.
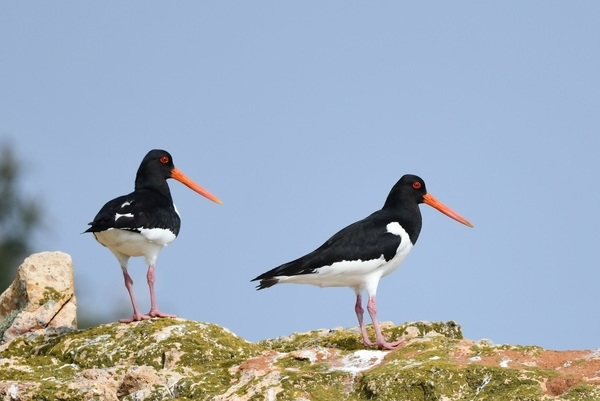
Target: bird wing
139	209
366	239
121	212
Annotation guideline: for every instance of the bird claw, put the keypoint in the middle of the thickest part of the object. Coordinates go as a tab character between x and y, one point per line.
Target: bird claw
382	344
157	313
389	346
368	343
139	317
135	318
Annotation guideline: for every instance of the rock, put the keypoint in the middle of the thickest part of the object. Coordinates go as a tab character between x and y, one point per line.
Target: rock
185	360
41	297
148	360
44	357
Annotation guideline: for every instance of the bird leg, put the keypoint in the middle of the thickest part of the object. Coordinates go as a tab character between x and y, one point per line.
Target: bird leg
154	312
380	340
359	314
137	315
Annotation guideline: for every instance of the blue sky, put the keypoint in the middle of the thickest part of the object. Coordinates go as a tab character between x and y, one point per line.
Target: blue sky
301	116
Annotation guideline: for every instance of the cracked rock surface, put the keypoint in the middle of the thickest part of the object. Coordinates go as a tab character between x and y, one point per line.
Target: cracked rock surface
42	296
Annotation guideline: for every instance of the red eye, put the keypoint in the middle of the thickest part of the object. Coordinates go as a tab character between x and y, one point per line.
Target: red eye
164	159
416	185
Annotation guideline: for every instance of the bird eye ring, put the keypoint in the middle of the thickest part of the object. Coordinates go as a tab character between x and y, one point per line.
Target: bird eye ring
416	185
164	159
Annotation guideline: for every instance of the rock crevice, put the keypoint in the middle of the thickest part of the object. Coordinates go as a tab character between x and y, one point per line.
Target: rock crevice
41	296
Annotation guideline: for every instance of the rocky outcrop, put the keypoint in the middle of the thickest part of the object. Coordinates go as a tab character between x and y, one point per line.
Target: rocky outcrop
181	359
41	297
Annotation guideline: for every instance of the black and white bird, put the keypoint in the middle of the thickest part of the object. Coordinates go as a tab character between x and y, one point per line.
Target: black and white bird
361	254
143	222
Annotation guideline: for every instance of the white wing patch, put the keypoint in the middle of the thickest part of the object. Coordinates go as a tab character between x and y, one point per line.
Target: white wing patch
395	228
118	215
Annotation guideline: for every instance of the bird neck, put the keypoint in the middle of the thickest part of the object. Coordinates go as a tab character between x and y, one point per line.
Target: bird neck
156	185
408	215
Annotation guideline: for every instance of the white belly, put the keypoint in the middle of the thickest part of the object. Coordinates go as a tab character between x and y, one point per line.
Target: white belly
339	274
130	243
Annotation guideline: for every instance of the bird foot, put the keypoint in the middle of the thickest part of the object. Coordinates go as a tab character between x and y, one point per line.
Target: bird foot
382	344
157	313
390	346
135	318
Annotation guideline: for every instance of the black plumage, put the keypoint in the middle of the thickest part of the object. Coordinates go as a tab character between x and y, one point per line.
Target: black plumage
144	221
360	254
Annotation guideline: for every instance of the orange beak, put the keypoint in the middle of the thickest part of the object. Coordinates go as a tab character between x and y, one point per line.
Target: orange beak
431	201
182	178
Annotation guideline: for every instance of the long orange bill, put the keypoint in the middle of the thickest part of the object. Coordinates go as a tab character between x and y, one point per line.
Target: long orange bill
431	201
182	178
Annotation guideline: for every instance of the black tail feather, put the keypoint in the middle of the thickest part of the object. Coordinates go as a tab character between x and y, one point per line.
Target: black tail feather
266	282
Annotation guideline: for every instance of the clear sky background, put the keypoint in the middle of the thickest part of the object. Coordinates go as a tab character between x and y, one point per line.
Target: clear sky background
301	116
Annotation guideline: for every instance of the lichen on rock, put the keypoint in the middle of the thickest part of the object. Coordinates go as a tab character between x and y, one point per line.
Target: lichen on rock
41	296
180	359
135	356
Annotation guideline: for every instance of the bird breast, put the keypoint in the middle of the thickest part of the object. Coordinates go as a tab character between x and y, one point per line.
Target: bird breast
133	243
403	249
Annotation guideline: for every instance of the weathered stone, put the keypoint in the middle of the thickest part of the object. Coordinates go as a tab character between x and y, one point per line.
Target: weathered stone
48	359
139	382
180	359
41	296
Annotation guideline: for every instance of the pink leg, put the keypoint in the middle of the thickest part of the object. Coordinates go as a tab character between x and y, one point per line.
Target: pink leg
154	312
359	314
381	342
136	312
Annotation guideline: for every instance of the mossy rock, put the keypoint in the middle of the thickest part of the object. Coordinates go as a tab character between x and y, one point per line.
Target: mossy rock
351	340
184	360
194	352
437	380
151	341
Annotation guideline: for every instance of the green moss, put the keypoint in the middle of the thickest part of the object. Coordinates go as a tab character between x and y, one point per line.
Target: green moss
582	392
32	368
449	329
30	344
350	340
215	380
502	383
486	349
51	294
530	350
434	380
424	370
207	356
147	342
49	375
204	354
323	386
51	391
342	339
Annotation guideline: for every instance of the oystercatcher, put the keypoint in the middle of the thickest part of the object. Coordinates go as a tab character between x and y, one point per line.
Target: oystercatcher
141	223
364	252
